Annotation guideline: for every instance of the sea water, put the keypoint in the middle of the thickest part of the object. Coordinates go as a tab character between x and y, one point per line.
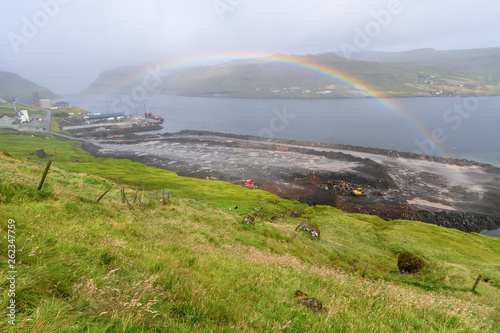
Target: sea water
449	127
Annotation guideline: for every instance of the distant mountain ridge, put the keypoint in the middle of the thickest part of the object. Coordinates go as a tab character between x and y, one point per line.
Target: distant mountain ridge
482	61
13	86
388	74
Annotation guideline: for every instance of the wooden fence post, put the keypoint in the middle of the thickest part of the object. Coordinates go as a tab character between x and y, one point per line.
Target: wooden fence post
366	268
44	175
163	196
102	196
476	283
135	196
128	203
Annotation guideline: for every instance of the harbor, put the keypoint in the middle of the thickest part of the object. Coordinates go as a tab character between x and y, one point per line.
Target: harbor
97	124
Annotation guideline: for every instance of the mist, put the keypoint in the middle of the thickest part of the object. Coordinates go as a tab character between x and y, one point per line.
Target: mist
65	44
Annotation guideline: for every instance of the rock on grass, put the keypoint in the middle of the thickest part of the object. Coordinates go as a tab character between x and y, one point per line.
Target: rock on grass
314	304
311	227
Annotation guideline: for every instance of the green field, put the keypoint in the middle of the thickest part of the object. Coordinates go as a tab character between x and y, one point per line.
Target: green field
189	264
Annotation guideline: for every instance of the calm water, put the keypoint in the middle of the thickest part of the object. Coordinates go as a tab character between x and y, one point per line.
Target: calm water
462	127
451	127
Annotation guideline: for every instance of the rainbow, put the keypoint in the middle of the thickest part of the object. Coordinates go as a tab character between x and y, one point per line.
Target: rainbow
298	62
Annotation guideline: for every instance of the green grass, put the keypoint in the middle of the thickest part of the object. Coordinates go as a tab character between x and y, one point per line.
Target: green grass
190	265
7	109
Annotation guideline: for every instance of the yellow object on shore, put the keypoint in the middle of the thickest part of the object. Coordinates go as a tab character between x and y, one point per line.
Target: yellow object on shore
357	191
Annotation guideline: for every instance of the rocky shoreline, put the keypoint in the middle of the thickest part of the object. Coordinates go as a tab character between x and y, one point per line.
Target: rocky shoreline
453	193
370	150
342	186
464	221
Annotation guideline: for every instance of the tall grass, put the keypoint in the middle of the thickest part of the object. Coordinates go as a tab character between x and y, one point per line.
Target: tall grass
190	265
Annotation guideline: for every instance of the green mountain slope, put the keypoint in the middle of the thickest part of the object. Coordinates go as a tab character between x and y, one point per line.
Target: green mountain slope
13	86
483	63
189	264
310	76
271	78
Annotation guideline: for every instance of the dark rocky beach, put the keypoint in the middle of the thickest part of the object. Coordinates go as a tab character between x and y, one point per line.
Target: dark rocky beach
459	194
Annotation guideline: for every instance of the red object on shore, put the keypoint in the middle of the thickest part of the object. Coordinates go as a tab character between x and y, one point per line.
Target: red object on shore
248	182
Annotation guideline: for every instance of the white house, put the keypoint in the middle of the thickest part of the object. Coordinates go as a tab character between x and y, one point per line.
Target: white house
24	117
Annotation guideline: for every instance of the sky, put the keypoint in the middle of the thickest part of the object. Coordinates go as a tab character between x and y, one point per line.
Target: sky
65	44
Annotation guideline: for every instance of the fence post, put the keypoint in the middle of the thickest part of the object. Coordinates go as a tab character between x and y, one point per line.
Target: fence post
366	268
44	175
128	203
135	196
476	283
102	196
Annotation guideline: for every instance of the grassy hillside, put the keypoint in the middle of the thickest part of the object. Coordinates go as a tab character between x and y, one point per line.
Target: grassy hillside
480	63
190	265
13	86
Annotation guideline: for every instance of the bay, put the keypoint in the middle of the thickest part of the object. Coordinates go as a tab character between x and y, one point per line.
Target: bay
450	127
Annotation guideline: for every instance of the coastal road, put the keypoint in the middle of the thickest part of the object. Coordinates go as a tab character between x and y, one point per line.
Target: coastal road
46	121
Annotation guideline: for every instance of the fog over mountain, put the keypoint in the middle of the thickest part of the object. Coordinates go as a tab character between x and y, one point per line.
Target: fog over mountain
388	74
13	86
65	44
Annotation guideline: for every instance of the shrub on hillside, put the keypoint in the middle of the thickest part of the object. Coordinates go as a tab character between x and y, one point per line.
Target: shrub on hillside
409	263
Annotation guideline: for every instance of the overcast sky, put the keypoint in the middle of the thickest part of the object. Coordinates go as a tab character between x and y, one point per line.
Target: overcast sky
65	44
